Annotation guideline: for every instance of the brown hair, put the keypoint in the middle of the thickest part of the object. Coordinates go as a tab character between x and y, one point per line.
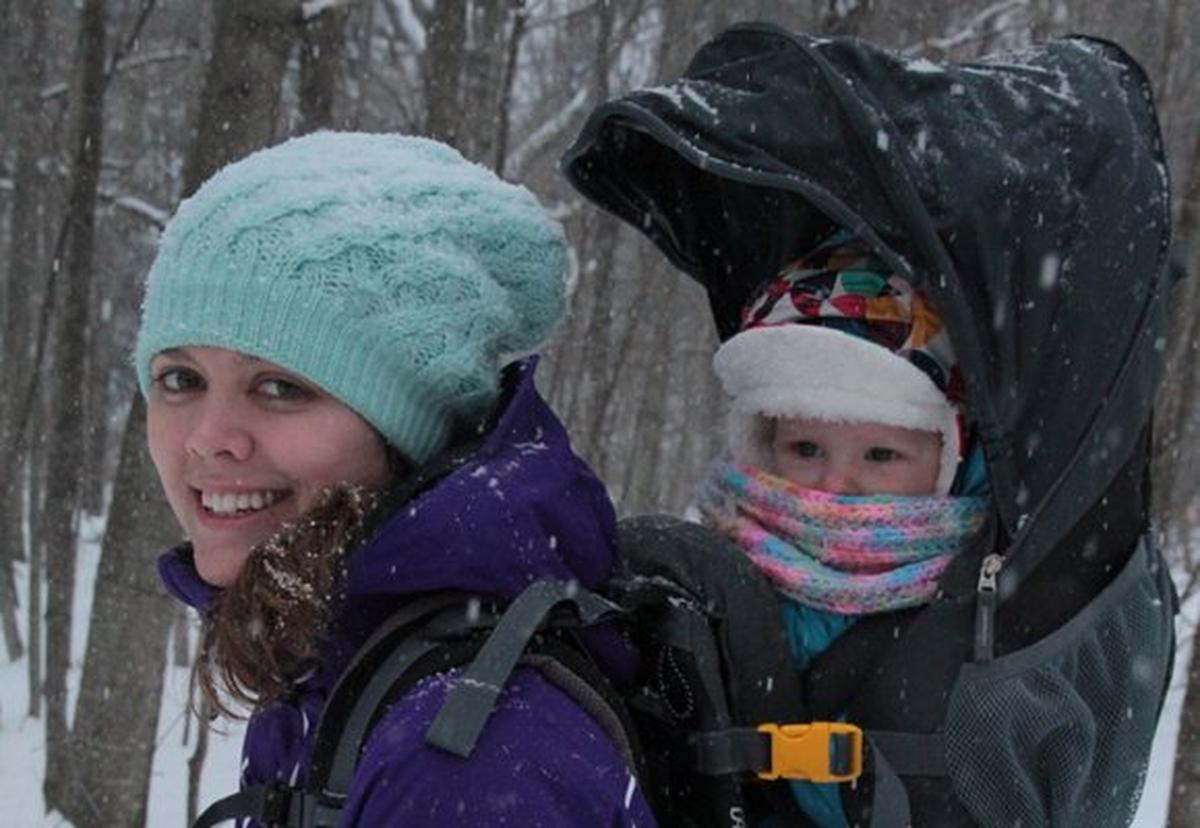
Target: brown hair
267	627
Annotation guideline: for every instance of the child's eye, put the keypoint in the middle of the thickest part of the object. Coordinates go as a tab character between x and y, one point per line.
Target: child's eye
879	454
177	380
806	448
277	388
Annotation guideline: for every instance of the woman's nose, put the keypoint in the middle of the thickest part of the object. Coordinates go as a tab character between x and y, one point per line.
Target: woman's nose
220	431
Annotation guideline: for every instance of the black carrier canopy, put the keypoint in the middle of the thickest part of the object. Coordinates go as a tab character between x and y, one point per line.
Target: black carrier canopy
1027	194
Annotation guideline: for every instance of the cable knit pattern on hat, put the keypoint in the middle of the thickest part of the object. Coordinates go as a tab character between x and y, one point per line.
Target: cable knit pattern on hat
387	269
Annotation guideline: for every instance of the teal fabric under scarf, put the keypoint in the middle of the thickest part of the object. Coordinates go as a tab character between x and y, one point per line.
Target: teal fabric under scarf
811	631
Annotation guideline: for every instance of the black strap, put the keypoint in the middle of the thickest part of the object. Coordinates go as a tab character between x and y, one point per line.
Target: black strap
271	806
569	668
264	803
681	625
736	750
741	750
470	702
432	634
890	807
911	754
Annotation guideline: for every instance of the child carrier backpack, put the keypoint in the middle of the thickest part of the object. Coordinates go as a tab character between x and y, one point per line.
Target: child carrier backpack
714	721
1027	195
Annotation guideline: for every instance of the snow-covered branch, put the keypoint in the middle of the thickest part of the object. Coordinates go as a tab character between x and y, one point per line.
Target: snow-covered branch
310	9
970	31
131	204
407	21
138	61
545	134
139	207
157	56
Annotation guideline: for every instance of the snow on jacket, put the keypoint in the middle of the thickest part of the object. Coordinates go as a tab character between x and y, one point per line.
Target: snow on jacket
523	507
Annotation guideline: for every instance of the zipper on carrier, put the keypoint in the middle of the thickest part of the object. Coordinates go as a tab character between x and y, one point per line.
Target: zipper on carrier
985	607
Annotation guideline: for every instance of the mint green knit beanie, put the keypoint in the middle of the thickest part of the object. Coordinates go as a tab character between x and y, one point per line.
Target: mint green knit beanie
386	269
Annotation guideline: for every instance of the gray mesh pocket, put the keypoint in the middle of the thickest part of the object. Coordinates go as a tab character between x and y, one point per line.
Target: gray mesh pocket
1059	733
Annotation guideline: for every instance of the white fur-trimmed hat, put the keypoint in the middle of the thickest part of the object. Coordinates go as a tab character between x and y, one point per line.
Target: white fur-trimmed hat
838	337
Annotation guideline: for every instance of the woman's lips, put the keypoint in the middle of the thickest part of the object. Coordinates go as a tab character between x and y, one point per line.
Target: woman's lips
226	509
243	501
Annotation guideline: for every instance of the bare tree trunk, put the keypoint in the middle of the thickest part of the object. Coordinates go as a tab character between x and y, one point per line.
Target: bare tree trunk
513	49
117	714
644	479
240	101
181	647
37	570
320	56
195	763
443	70
361	65
1178	475
67	427
23	264
1185	781
583	381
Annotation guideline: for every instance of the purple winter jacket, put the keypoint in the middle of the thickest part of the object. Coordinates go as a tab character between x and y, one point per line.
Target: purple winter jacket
525	506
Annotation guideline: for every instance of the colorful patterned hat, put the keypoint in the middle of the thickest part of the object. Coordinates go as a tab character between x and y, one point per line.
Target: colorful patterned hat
838	337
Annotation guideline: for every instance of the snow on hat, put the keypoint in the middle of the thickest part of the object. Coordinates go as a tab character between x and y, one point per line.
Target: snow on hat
387	269
838	337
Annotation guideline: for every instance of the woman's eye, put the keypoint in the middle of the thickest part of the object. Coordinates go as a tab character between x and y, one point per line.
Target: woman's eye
879	454
805	448
177	380
277	388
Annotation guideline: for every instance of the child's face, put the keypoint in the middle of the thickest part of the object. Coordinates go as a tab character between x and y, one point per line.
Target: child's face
856	458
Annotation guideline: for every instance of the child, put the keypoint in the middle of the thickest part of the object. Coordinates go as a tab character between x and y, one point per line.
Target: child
846	439
339	424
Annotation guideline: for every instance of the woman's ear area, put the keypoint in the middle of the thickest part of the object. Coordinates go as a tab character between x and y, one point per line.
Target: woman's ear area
398	466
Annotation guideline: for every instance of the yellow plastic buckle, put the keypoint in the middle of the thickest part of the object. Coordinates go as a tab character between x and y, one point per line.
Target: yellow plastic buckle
816	752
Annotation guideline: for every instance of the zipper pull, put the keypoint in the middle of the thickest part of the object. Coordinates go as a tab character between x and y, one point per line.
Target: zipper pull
985	607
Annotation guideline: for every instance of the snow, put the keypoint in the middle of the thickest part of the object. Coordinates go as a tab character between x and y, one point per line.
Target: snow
671	93
1048	277
22	738
156	215
630	787
924	66
699	100
311	8
1156	796
543	135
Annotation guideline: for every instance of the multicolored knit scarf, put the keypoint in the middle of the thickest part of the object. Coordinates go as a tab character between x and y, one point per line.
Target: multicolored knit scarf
850	555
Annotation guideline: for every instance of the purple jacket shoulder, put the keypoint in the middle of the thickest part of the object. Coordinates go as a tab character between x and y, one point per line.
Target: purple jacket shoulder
541	761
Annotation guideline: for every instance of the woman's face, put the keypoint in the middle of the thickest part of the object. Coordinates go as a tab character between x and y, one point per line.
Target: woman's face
241	445
856	458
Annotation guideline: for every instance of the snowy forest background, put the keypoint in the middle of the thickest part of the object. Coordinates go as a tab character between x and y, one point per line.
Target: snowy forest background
112	110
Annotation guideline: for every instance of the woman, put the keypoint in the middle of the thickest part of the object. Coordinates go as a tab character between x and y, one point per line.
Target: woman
336	411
